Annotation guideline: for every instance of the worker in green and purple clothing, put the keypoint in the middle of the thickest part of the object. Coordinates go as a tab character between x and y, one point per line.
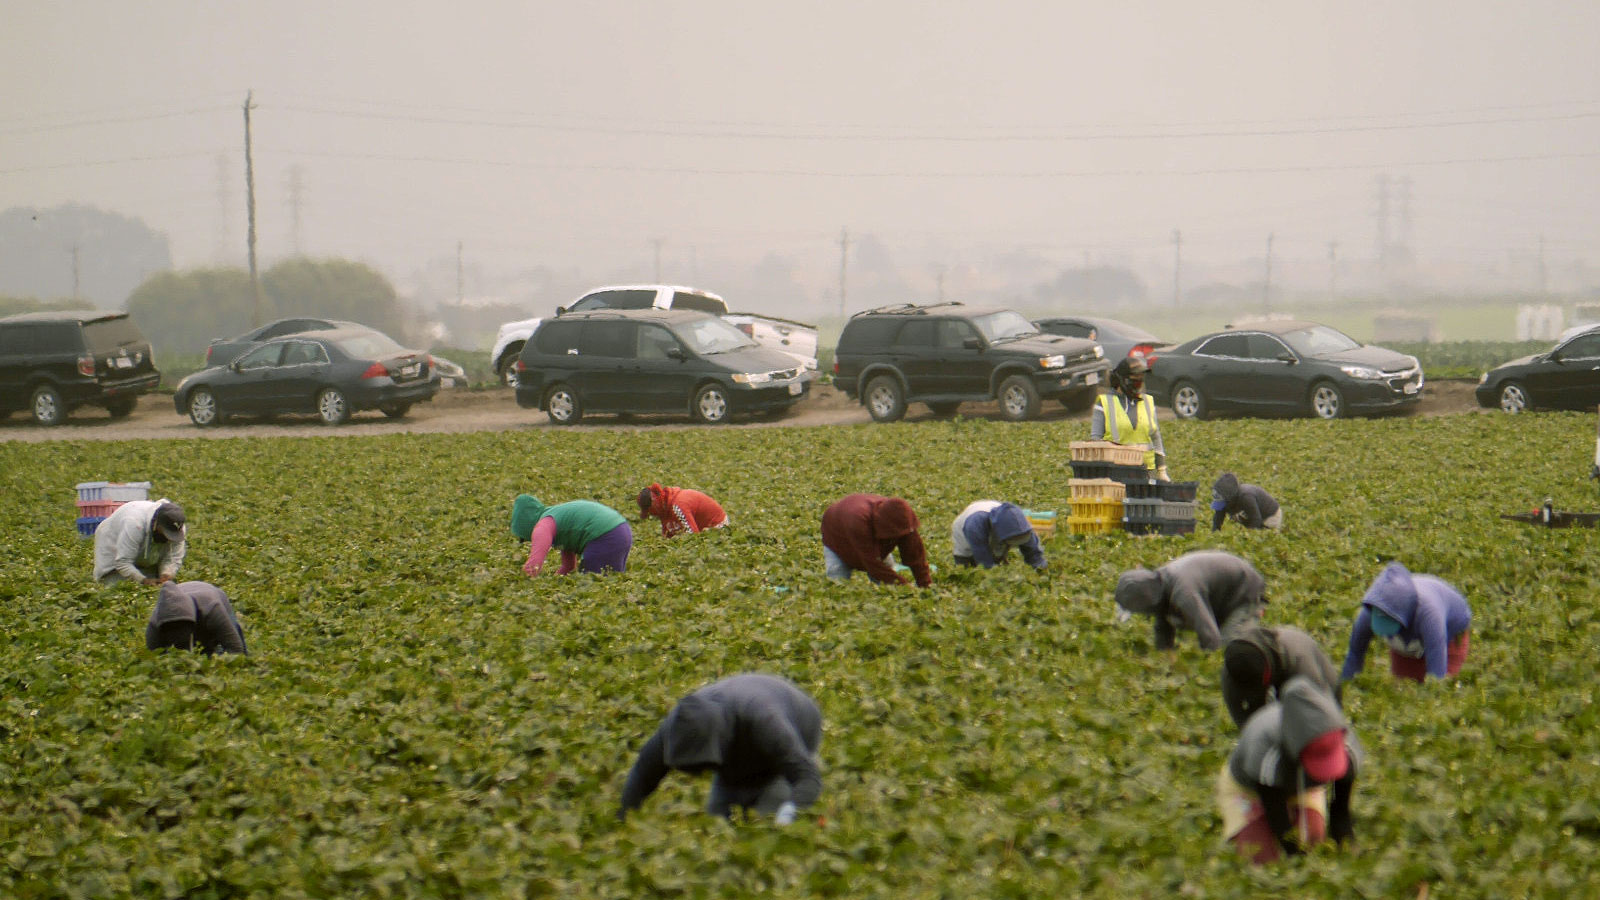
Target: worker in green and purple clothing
591	536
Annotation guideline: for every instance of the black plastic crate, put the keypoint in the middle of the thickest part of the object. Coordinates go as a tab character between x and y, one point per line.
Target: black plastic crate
1161	527
1179	491
1123	474
1153	510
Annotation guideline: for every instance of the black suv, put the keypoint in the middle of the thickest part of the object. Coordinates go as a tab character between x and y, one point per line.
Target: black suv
53	362
945	353
653	361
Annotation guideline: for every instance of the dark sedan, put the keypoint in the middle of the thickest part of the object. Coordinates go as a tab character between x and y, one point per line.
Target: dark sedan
1283	368
1567	377
223	351
1118	339
331	373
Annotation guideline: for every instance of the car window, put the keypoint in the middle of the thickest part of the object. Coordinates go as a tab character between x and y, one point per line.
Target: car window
634	299
953	333
1264	346
262	357
19	339
288	326
1003	325
614	339
1227	345
655	341
369	345
698	303
870	332
1071	329
712	335
915	333
109	334
558	338
304	353
1584	346
1320	340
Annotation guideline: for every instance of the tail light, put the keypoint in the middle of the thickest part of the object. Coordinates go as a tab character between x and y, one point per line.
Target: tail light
748	328
86	365
208	355
520	366
836	366
376	370
1146	349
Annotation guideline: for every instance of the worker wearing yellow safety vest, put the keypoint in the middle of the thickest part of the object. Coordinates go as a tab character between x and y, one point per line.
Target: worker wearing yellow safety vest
1127	415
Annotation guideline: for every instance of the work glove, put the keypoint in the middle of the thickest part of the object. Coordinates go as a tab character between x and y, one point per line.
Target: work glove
1161	474
786	814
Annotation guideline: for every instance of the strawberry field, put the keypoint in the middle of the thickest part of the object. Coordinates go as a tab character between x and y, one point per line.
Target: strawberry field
418	719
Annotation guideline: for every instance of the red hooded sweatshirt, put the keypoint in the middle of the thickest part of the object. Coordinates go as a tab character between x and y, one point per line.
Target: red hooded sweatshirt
864	528
683	510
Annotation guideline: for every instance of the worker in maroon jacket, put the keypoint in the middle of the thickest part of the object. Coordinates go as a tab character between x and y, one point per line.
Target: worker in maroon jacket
861	530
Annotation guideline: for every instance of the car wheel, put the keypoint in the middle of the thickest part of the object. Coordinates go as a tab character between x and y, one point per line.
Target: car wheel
394	410
332	407
1326	401
945	409
1187	401
122	407
885	401
1019	399
1514	397
203	408
507	367
711	404
48	407
562	406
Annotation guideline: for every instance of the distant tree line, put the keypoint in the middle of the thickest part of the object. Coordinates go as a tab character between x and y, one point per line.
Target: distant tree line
182	311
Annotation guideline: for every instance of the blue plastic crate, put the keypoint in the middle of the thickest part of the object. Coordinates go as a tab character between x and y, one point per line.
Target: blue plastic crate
87	525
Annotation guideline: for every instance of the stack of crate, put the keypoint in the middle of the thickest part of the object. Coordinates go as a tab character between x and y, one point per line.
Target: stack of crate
99	499
1101	470
1043	522
1160	507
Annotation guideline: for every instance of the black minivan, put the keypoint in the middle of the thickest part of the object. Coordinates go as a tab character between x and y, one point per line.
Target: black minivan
53	362
653	361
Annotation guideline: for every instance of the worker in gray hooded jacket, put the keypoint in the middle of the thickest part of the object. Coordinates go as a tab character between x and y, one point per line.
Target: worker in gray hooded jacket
1272	789
758	733
984	533
143	541
194	614
1259	661
1210	592
1248	504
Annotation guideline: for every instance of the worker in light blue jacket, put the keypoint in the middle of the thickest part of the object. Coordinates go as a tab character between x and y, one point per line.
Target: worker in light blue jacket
984	533
1424	620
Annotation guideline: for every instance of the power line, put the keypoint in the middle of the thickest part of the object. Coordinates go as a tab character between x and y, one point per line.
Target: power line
114	120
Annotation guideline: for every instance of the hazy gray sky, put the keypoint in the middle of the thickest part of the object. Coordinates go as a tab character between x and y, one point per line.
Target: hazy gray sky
573	134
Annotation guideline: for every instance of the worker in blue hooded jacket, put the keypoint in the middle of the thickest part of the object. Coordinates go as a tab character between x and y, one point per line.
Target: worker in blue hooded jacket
984	533
1425	621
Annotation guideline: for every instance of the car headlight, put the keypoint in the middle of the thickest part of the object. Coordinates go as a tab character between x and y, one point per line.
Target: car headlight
1052	362
1482	378
752	377
1099	351
1361	372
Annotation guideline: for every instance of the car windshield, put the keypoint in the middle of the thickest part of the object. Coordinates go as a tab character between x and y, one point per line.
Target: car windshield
369	345
1004	325
712	335
1114	328
1319	340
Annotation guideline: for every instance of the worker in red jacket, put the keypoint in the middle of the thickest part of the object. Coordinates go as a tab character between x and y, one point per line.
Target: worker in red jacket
861	530
681	510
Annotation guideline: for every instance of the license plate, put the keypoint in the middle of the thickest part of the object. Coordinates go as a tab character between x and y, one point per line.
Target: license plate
795	389
1092	378
1413	387
409	371
122	362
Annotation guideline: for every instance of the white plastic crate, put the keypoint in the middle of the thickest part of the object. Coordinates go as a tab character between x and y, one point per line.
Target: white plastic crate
120	491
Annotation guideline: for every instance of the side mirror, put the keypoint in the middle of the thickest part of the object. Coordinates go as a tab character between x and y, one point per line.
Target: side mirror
1555	357
234	365
676	353
972	343
1287	358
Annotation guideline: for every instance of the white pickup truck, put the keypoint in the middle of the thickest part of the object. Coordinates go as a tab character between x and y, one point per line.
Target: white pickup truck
796	339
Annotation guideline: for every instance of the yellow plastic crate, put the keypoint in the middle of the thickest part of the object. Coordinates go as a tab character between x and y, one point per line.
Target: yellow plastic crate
1107	452
1097	509
1096	489
1076	525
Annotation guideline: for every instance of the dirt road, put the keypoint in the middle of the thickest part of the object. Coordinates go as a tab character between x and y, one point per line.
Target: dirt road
496	409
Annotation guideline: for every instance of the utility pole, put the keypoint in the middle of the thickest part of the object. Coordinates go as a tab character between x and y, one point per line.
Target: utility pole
458	274
940	275
657	243
1177	265
844	257
1333	270
250	212
1266	285
296	186
224	245
1542	281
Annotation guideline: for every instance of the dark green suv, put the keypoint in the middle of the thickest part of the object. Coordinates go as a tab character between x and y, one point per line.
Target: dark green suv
53	362
943	354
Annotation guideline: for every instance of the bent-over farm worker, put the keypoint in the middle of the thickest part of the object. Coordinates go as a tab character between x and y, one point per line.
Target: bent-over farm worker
1424	620
984	533
1259	661
143	541
592	537
1272	791
1127	415
861	530
1246	504
681	510
192	614
1196	591
758	733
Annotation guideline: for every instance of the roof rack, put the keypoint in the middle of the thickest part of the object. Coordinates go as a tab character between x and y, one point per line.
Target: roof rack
905	309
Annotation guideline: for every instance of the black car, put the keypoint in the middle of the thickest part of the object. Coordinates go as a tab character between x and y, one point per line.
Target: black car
53	362
943	354
332	373
1283	368
653	361
1567	377
223	351
1117	338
